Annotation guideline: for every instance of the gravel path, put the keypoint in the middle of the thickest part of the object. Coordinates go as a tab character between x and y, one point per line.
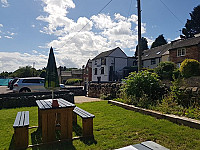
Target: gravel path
83	99
4	89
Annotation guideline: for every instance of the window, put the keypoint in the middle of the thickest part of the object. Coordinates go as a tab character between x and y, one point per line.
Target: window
103	61
95	62
153	61
181	52
102	70
95	71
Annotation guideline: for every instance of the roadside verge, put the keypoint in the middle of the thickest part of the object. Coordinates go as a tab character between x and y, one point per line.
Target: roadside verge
173	118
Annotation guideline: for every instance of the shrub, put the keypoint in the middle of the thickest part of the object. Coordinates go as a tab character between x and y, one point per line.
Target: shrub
190	67
165	70
143	88
73	81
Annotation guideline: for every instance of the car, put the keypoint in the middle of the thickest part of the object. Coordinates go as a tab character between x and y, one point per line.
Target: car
30	84
12	83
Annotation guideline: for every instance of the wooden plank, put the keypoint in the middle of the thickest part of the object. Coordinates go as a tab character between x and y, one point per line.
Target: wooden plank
17	120
141	147
40	105
69	122
63	124
66	103
46	104
82	113
87	125
39	118
21	137
22	117
26	122
44	127
51	127
153	145
130	147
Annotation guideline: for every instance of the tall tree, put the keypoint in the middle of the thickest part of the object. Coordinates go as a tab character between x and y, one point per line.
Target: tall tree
160	40
27	71
143	44
192	25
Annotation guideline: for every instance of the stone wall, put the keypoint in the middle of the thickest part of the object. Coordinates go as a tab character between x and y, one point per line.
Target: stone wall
111	89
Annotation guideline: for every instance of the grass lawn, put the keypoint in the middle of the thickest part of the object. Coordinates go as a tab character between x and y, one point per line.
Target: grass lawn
114	127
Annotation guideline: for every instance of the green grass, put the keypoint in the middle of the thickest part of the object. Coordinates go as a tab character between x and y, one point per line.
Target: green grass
114	127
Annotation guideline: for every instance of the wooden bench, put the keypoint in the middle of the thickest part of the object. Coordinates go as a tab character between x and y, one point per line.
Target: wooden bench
87	121
20	126
147	145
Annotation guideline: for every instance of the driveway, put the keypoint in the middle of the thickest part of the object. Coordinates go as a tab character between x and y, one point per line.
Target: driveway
4	90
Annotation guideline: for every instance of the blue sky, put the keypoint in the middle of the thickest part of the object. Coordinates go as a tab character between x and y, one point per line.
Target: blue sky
29	28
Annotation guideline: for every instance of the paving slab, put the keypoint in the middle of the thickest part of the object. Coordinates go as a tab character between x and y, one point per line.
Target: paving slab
84	99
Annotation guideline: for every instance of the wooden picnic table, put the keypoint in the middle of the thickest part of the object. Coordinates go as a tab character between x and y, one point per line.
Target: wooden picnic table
47	117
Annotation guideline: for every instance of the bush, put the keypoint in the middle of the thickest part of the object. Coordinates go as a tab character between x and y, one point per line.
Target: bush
165	70
73	81
143	88
189	68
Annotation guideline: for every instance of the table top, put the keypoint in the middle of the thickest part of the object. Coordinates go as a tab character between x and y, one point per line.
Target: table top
47	104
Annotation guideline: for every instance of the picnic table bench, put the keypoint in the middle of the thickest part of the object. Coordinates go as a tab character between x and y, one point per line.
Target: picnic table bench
147	145
87	121
20	126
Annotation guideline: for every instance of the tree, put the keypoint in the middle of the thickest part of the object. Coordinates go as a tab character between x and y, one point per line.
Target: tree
160	40
22	72
143	44
192	25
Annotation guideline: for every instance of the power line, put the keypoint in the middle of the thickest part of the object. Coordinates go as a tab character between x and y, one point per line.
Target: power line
171	12
89	20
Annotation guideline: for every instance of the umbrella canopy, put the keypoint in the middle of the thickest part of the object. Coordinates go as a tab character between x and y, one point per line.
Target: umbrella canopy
51	79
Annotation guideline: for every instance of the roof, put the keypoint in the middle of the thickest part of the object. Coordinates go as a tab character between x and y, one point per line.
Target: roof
105	54
155	52
185	42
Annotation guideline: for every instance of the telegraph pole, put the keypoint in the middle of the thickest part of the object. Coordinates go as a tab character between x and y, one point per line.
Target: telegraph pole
139	37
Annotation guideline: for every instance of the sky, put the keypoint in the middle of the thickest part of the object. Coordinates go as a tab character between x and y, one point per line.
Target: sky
79	30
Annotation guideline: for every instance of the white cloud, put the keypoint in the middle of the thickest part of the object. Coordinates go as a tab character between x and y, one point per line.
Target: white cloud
73	48
4	3
101	32
8	37
1	25
10	61
33	26
0	37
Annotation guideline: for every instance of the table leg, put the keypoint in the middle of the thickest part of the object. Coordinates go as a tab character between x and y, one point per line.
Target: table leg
39	118
44	127
66	124
51	127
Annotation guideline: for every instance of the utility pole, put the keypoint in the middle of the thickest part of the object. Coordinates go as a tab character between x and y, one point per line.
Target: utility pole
139	37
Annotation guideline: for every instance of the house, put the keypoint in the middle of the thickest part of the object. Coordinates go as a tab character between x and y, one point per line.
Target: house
73	74
87	73
185	49
108	65
152	57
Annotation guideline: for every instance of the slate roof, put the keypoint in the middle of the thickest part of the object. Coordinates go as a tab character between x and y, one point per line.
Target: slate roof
155	52
104	54
185	42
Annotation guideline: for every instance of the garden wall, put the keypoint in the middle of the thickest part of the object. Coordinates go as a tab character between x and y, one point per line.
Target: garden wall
108	89
14	100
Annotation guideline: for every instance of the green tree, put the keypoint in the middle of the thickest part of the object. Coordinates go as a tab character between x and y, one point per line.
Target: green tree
144	44
22	72
192	25
165	69
5	74
160	40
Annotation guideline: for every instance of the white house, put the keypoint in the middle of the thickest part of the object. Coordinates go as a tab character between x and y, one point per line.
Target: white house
108	65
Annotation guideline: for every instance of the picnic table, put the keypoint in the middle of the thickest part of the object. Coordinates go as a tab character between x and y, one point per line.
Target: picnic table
48	116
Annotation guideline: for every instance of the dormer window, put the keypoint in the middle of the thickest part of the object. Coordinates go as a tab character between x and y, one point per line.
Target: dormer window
181	52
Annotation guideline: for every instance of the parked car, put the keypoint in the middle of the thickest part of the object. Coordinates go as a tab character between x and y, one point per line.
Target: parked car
31	84
12	83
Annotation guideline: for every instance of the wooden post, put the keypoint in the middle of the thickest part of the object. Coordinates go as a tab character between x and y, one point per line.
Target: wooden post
21	137
87	125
